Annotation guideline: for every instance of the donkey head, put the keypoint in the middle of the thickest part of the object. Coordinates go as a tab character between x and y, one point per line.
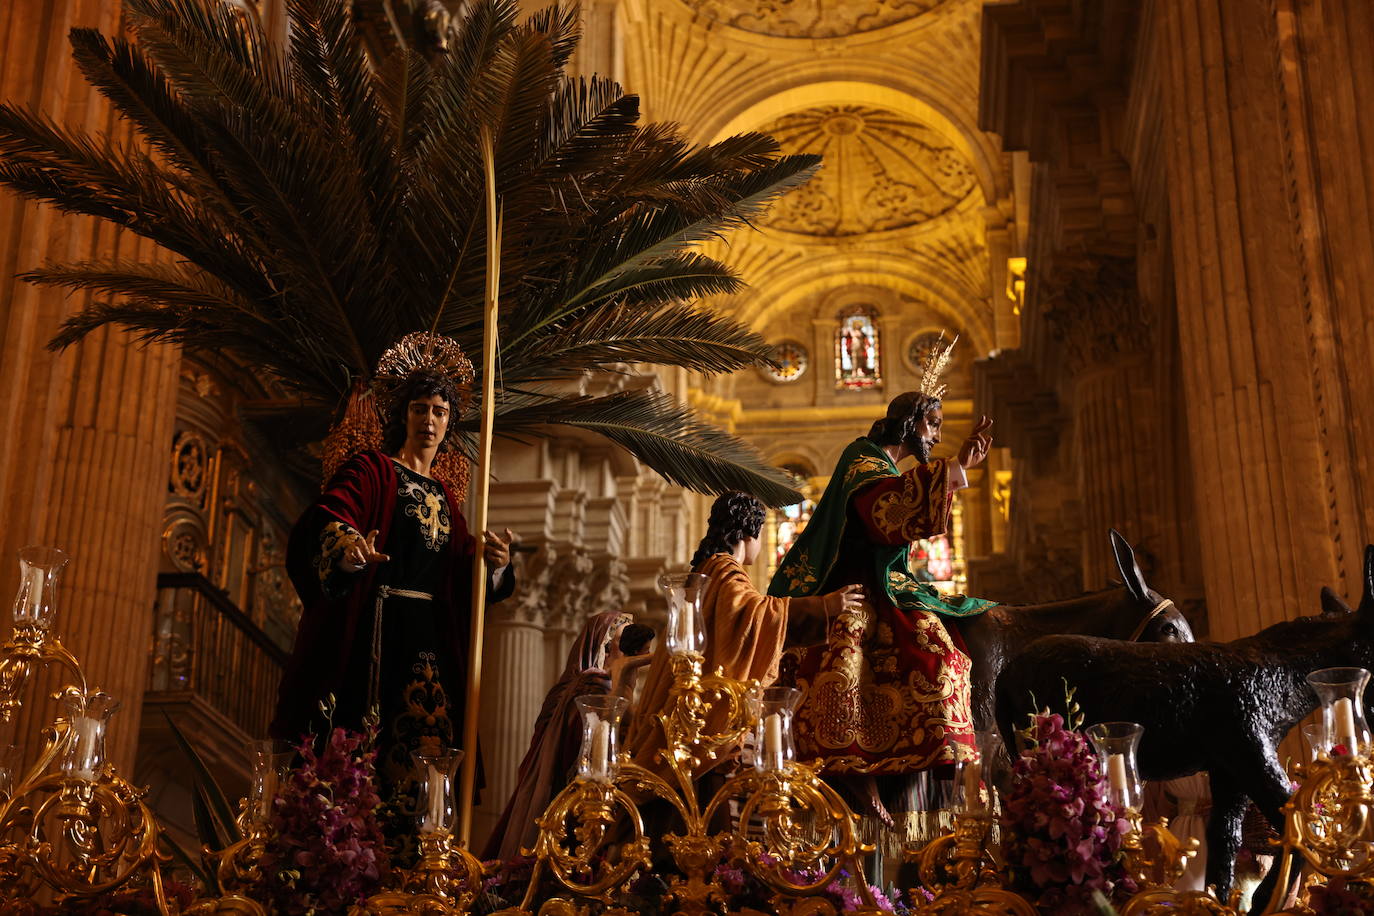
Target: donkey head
1333	605
1166	622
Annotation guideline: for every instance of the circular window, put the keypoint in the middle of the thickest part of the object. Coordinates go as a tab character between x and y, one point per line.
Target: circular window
919	347
791	359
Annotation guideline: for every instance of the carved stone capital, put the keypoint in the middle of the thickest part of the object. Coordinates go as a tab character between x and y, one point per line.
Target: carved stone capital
1095	311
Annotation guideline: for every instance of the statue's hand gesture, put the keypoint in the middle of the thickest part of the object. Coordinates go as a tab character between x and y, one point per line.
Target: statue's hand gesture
844	599
975	447
496	548
361	552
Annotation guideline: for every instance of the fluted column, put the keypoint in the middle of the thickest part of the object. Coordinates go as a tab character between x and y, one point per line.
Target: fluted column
511	695
84	435
1269	464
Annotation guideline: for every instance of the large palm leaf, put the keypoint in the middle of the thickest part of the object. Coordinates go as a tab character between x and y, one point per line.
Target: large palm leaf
322	202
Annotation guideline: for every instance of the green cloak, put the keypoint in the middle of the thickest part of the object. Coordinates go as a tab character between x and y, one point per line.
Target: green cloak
813	555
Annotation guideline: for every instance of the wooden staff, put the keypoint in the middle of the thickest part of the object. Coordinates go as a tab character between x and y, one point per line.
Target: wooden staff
481	479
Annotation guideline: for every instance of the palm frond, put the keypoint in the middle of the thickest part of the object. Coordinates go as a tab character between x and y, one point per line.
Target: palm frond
321	202
664	435
670	335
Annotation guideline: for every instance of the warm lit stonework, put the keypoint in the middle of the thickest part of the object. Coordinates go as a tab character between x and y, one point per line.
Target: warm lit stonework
1150	224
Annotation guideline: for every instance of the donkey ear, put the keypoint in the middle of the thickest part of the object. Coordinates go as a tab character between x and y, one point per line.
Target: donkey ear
1367	601
1131	576
1333	605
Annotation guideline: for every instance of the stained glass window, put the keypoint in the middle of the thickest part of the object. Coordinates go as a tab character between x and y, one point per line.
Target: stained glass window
787	523
792	360
857	363
939	561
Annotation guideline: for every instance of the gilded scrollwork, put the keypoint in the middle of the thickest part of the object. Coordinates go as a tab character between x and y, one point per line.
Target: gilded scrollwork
883	171
811	18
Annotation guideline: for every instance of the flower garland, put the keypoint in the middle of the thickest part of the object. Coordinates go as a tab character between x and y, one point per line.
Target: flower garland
1062	838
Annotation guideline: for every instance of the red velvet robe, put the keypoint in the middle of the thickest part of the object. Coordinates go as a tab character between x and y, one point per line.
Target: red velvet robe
889	690
362	495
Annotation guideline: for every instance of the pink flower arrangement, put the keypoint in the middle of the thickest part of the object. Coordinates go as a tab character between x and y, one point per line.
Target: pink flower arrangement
327	851
1062	836
1339	898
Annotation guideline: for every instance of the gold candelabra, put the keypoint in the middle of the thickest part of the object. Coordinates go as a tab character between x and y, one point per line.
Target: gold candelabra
73	829
788	819
791	830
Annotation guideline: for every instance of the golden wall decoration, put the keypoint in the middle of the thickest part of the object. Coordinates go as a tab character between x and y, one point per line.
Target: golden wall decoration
811	18
882	171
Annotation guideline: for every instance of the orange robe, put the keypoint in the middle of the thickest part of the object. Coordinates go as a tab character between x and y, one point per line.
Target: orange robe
745	631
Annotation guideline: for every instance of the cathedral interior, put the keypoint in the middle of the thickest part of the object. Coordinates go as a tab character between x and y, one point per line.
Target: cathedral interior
1148	222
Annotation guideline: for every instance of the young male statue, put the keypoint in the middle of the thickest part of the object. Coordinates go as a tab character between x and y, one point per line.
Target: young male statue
887	694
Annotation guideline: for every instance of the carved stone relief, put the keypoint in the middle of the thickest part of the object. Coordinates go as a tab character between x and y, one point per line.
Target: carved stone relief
882	171
811	18
535	572
190	463
1093	308
610	586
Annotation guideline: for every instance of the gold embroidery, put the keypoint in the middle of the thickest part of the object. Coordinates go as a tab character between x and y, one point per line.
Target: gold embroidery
429	508
334	540
867	465
799	573
864	710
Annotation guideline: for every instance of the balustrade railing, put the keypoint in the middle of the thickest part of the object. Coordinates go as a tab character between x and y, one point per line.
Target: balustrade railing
204	644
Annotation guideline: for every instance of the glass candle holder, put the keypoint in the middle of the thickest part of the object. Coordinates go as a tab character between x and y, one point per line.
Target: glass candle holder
39	571
686	632
270	758
774	748
1116	744
596	762
976	778
84	755
1314	739
1341	693
435	774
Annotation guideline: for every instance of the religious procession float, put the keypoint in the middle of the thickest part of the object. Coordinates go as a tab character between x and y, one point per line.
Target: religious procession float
352	220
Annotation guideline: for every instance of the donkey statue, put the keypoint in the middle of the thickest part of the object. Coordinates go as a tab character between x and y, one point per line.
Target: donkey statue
1133	611
1219	707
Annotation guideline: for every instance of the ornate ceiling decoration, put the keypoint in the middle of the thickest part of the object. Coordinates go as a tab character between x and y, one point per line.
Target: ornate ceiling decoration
882	172
811	18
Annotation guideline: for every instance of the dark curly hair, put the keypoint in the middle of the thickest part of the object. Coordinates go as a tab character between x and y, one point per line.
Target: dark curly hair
635	638
734	517
904	414
419	385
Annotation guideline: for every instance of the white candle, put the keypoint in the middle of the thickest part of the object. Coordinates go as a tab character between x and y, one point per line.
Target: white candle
434	821
973	796
1116	774
772	740
686	628
269	792
86	735
33	601
598	766
1344	713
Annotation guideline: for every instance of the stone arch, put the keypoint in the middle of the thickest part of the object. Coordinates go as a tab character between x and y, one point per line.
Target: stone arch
765	100
828	271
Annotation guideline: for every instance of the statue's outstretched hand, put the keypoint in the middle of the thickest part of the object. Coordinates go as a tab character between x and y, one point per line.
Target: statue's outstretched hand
361	552
975	447
844	599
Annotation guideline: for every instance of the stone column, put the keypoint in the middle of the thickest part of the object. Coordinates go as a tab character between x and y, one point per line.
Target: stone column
510	704
514	686
1269	456
84	435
